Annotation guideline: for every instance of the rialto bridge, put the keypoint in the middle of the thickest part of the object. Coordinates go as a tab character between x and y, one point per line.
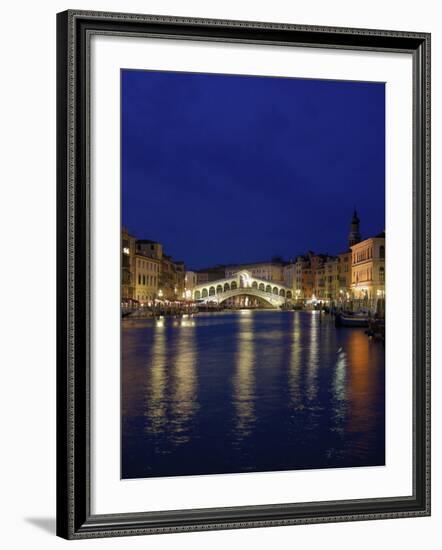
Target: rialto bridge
242	284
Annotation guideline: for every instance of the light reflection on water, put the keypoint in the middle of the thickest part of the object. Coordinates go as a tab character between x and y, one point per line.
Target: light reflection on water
249	391
244	379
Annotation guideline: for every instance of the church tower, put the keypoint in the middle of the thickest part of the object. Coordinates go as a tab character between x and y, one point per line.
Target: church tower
354	236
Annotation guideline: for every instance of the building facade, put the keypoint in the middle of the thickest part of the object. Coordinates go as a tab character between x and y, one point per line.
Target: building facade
331	279
127	267
210	274
171	285
344	277
368	273
190	282
147	276
151	249
269	271
298	276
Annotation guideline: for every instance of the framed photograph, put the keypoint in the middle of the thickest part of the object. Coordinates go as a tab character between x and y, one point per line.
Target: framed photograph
243	274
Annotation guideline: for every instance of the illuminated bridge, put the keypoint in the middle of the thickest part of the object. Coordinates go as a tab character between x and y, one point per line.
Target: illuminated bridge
242	284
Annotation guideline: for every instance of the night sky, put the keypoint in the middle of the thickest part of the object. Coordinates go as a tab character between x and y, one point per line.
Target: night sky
236	169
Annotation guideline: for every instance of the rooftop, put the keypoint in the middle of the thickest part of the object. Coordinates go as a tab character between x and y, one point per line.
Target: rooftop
146	241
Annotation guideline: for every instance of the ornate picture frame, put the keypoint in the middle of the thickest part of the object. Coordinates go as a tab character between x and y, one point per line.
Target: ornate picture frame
74	517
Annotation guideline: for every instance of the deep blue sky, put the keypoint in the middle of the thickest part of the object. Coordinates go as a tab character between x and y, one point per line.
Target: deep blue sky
226	169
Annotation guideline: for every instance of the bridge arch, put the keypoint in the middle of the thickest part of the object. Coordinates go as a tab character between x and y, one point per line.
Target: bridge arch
244	292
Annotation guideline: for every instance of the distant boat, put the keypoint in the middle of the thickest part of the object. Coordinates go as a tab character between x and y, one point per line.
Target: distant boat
356	320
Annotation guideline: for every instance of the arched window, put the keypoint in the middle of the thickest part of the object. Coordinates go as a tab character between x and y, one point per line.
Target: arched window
268	288
234	285
382	251
261	286
197	295
275	290
219	289
381	274
289	294
255	284
212	291
282	292
204	293
226	287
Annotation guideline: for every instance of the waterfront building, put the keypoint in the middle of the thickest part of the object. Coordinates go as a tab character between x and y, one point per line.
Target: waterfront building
157	275
288	274
190	281
368	273
180	278
151	249
318	273
331	279
147	275
127	267
210	274
339	271
298	276
318	276
171	285
269	271
344	277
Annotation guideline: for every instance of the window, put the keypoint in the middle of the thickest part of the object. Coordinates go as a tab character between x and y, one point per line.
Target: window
381	274
382	251
139	279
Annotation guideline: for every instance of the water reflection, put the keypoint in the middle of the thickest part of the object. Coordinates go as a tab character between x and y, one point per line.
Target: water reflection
295	364
244	380
249	391
184	384
339	389
156	403
363	382
313	358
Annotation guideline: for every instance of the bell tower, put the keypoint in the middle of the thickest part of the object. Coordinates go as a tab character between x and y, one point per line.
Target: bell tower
354	236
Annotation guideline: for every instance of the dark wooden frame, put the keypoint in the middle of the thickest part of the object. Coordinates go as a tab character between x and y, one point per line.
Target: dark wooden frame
74	519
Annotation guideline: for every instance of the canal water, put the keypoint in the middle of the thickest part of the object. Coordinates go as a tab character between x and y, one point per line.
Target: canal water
249	391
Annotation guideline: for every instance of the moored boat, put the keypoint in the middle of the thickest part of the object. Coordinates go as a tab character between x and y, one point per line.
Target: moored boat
347	320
